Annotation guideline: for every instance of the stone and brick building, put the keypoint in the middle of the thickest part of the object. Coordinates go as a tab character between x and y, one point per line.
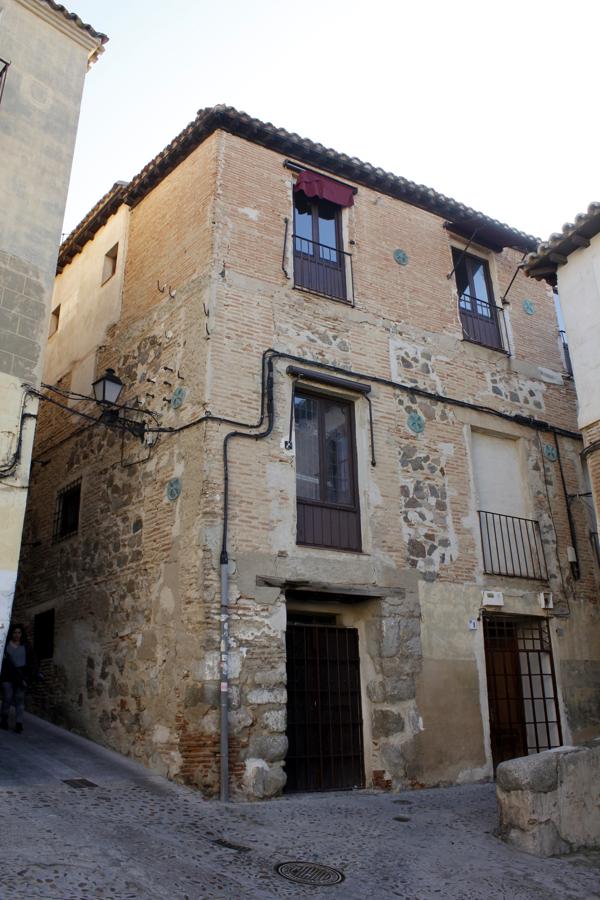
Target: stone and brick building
358	442
45	52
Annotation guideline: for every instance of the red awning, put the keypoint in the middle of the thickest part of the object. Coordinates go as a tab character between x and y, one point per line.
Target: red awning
314	185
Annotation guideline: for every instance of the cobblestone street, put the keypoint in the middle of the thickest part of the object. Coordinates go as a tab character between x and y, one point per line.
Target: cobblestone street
130	835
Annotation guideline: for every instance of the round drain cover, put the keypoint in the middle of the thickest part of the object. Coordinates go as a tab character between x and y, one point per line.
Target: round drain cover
309	873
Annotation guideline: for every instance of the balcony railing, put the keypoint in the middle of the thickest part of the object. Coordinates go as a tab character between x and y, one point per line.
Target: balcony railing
512	546
321	269
567	355
483	323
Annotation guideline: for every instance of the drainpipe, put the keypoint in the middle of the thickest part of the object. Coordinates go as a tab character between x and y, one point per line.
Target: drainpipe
224	681
224	562
572	550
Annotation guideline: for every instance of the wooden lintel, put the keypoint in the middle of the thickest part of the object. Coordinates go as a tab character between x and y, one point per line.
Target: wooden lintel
319	587
558	258
542	271
579	240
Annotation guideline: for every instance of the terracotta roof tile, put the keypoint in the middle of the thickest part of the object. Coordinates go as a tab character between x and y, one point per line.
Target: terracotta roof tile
549	255
307	152
72	17
87	228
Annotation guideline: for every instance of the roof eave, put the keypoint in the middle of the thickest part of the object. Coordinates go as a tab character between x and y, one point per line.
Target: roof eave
544	263
307	152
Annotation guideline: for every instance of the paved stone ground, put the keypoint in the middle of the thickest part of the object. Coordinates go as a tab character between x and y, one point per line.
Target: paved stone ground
134	835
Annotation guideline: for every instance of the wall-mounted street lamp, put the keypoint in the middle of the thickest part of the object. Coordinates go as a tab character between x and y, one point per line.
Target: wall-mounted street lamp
107	390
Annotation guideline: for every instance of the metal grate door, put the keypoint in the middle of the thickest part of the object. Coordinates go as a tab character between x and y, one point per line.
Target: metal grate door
324	708
523	703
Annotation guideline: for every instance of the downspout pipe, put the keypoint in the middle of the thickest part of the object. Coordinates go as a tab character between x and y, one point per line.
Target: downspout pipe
574	563
224	678
224	564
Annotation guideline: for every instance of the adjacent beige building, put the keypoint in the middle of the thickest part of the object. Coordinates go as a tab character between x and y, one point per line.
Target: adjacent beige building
570	263
45	52
343	551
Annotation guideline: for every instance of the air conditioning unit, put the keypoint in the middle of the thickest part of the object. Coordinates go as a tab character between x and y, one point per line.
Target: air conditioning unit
545	600
492	598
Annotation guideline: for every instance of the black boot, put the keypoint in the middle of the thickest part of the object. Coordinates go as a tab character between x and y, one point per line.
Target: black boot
4	723
19	727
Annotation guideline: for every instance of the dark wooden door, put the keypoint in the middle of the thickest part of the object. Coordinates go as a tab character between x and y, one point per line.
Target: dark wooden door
521	687
324	708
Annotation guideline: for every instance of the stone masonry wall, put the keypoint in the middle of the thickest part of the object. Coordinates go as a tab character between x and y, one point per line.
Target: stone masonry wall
138	587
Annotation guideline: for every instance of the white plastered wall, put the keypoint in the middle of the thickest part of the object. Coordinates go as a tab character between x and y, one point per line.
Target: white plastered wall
579	292
87	307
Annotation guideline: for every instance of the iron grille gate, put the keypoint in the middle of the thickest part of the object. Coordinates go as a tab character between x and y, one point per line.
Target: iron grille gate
521	683
324	708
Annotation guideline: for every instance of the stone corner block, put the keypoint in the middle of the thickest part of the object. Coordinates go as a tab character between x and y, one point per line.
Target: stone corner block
261	780
529	773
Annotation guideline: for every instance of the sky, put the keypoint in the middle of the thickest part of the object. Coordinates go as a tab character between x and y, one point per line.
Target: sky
493	104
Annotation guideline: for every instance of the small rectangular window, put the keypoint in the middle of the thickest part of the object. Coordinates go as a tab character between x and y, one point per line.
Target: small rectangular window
110	263
43	634
54	319
326	491
66	518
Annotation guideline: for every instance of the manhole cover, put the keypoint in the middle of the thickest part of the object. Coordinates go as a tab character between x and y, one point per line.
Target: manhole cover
79	783
309	873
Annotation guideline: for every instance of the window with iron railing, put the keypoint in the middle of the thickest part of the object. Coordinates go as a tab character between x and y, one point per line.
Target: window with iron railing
320	261
512	546
482	321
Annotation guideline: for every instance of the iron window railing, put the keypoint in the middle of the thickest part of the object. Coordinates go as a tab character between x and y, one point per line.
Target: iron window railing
4	64
322	269
66	512
512	546
567	355
483	323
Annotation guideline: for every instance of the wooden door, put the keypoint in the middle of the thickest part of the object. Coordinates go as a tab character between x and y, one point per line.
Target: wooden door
521	684
324	708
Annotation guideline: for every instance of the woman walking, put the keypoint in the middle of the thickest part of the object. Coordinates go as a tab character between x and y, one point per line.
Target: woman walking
17	664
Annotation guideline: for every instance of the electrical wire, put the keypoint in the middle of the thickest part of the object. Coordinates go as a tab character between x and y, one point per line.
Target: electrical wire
528	421
8	468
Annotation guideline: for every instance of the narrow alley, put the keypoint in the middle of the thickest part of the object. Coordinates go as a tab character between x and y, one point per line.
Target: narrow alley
81	822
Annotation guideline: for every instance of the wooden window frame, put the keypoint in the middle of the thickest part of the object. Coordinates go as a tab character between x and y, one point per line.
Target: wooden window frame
467	317
314	273
352	509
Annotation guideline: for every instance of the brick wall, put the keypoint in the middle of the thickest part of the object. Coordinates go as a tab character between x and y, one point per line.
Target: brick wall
138	587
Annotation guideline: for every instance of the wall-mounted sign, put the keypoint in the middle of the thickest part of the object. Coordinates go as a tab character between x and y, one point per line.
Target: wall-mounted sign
529	307
416	422
173	489
178	397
